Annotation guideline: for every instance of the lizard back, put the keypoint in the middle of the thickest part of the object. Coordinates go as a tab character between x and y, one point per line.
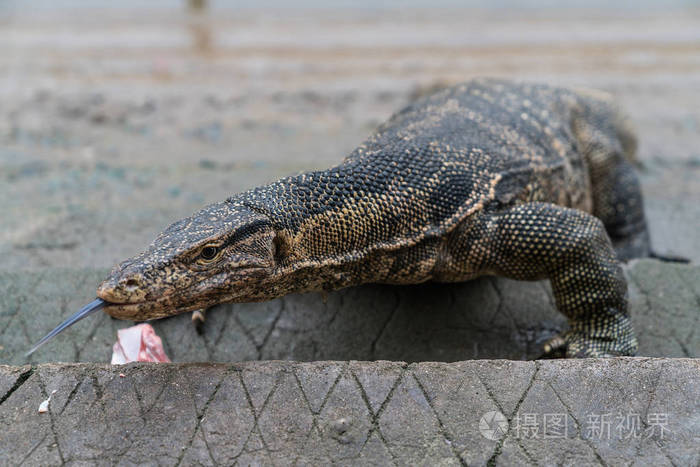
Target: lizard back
439	160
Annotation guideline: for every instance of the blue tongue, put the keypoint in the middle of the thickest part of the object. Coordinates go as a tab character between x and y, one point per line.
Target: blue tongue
88	309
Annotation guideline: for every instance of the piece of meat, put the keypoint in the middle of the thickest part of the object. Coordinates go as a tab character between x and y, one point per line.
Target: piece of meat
138	344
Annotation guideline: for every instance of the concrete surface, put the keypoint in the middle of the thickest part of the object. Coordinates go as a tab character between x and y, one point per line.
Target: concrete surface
487	318
631	411
116	122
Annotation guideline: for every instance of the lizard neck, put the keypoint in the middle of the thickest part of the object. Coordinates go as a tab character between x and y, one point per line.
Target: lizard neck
326	225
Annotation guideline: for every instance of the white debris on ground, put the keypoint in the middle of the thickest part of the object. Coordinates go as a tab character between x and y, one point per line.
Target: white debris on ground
44	406
138	344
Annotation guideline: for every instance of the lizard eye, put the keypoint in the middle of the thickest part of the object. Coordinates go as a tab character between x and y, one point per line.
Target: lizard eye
209	253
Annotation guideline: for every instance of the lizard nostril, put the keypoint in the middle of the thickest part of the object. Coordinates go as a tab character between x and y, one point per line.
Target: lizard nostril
131	283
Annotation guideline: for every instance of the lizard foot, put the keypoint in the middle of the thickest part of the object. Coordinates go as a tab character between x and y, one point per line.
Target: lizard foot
578	344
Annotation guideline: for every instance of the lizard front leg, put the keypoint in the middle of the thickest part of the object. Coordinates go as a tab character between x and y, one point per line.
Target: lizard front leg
569	247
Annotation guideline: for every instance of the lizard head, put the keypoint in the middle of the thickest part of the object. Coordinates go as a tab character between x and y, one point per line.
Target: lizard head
224	253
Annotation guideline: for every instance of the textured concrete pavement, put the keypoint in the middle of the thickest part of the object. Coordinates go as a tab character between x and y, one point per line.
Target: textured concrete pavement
116	122
486	318
631	411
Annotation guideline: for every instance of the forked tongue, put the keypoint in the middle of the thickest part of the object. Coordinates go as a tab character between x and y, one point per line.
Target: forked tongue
88	309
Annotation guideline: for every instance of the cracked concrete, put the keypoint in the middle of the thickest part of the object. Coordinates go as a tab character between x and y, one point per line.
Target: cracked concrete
486	318
407	414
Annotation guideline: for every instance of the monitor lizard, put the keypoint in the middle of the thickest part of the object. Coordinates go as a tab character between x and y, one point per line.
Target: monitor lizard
489	177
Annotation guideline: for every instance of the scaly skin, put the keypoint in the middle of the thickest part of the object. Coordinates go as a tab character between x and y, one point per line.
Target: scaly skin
489	177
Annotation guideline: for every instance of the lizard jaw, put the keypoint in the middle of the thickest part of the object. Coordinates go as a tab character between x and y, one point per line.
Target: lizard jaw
166	305
147	310
132	304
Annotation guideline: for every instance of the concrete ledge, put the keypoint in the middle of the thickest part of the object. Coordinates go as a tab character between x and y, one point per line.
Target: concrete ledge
583	412
486	318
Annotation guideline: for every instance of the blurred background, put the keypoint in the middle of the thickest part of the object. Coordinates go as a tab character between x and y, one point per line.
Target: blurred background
118	118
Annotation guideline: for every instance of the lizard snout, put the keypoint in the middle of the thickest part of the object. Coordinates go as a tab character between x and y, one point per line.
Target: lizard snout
126	289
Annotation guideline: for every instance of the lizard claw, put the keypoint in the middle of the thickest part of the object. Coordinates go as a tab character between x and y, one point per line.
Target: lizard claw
554	348
198	319
576	344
